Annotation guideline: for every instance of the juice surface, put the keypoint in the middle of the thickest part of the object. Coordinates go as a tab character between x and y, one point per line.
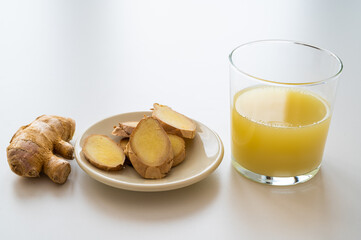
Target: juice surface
279	132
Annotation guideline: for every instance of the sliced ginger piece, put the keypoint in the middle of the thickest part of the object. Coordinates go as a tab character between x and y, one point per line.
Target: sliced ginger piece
174	122
150	150
125	129
123	143
179	149
102	152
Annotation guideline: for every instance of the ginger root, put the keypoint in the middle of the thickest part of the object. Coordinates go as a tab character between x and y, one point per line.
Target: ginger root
102	152
150	150
124	129
174	122
31	148
179	149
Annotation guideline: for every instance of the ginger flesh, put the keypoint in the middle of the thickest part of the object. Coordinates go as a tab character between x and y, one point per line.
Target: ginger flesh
150	150
31	148
102	152
174	122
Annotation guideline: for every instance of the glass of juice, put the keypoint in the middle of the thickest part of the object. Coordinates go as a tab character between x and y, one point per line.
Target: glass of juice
282	96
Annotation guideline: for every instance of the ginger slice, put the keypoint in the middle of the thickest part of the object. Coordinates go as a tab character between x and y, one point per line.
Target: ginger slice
102	152
124	142
174	122
179	149
150	150
124	129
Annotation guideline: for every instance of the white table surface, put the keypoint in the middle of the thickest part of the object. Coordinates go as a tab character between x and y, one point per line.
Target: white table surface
92	59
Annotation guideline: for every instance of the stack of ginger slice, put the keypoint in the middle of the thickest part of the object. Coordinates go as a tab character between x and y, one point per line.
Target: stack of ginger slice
152	146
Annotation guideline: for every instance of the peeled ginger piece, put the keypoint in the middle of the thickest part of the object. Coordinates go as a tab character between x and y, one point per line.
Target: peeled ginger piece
174	122
179	149
102	152
150	150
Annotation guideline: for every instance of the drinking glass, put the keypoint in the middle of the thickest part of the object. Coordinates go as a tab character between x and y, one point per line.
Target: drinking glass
282	95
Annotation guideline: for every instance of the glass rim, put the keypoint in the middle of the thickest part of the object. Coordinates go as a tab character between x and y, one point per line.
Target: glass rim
322	81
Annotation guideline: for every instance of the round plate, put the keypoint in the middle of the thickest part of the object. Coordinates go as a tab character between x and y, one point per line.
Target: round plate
204	153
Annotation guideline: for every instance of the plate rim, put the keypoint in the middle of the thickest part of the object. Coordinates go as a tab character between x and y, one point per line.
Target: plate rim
154	187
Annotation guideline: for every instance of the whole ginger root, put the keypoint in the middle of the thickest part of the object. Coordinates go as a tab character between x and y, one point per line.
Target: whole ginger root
31	148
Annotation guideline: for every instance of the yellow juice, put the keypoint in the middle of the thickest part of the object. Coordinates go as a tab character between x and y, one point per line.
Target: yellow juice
279	132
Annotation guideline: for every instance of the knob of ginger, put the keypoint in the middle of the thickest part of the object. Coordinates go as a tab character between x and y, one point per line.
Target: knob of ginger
31	148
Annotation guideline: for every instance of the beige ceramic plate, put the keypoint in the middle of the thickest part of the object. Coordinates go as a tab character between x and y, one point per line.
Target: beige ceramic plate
203	155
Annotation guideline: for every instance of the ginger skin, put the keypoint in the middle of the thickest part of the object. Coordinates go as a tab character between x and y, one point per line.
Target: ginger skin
31	148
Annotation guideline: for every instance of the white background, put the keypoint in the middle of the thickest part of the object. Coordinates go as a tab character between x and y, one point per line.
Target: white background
92	59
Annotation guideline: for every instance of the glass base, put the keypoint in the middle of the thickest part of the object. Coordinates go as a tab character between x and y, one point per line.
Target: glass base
276	181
